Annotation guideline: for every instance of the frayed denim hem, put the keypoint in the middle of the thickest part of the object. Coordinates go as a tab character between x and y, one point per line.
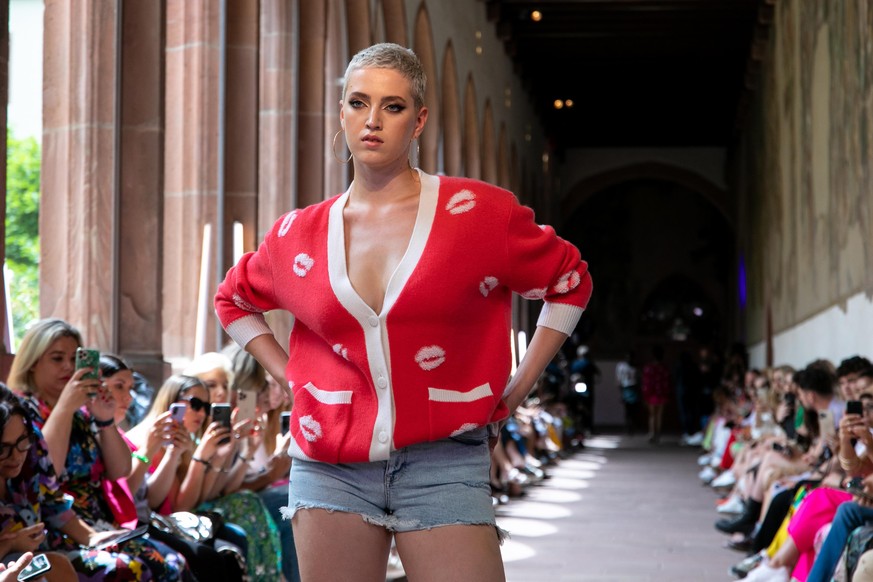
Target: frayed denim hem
390	522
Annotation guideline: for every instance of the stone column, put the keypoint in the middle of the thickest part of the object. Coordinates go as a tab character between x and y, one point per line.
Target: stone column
100	214
79	164
140	190
277	156
194	174
311	146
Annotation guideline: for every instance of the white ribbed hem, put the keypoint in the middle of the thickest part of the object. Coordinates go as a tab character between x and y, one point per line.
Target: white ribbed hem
561	317
247	328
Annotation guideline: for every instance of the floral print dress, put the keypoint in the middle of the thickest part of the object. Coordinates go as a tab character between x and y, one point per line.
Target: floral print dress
141	559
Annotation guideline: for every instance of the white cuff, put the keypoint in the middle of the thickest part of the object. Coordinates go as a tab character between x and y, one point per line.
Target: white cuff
247	328
561	317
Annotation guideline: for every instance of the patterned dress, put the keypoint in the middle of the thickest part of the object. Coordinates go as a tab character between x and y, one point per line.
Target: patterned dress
245	509
141	559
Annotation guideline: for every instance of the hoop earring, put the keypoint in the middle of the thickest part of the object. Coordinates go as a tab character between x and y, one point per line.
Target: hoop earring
417	157
333	149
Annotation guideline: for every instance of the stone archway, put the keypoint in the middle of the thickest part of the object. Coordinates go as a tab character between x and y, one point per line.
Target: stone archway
472	154
451	118
489	146
581	191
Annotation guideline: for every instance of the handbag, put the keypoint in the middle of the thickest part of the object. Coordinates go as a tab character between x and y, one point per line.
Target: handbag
188	526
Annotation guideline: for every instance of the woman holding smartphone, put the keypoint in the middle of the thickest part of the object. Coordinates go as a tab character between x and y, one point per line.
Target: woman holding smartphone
401	289
196	474
76	416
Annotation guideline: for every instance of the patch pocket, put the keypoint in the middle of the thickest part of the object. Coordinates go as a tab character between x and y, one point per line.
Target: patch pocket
328	396
460	415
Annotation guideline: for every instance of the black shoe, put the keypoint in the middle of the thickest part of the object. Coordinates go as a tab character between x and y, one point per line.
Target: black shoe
743	524
744	545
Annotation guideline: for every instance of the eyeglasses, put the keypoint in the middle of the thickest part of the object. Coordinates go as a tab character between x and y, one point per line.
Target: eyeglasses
197	405
22	445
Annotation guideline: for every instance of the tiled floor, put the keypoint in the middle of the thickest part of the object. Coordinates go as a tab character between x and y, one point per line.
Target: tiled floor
621	510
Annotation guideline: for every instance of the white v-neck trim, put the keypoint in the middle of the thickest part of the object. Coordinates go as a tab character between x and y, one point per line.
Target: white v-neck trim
372	324
336	251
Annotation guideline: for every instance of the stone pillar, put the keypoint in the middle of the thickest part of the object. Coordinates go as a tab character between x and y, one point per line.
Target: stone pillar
278	120
311	144
79	164
140	190
100	222
192	186
241	118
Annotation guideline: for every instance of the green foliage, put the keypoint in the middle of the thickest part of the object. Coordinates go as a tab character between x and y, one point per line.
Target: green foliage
22	230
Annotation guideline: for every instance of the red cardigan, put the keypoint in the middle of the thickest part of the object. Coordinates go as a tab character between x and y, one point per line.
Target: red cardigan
436	360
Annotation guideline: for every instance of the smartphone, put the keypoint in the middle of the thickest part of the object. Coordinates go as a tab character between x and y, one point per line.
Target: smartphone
177	411
790	398
246	403
286	422
86	358
855	486
854	407
221	414
826	426
122	537
38	566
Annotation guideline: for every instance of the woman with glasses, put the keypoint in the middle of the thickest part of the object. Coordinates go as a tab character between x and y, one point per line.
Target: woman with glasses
197	471
76	416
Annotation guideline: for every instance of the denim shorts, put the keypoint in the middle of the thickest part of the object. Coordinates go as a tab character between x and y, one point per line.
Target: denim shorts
419	487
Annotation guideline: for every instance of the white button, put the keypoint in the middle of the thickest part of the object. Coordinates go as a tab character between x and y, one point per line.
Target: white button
382	383
374	321
383	437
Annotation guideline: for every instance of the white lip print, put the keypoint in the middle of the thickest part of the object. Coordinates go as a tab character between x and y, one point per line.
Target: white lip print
466	427
487	285
310	428
567	282
461	202
286	223
341	351
430	357
302	264
535	293
245	305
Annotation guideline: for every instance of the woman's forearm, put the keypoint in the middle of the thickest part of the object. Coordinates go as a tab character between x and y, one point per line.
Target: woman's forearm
544	344
116	453
267	351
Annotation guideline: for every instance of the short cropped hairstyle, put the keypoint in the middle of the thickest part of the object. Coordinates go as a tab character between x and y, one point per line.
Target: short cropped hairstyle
388	55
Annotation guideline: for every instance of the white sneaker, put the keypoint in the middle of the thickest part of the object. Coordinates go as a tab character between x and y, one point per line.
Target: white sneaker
767	573
703	460
694	440
707	474
726	479
733	505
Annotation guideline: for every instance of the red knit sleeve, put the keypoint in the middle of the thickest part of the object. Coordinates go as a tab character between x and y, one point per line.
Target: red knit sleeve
541	265
247	292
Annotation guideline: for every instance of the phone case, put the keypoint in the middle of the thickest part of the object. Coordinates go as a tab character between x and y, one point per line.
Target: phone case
177	411
38	565
86	358
246	402
221	414
286	422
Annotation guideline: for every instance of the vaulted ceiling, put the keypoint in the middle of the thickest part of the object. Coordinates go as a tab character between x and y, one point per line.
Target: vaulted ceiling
637	73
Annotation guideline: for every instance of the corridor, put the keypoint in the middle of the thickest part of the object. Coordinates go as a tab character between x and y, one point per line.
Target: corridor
619	511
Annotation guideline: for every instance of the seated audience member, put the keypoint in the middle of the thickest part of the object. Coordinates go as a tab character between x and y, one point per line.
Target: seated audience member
204	467
216	372
269	466
128	497
76	415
